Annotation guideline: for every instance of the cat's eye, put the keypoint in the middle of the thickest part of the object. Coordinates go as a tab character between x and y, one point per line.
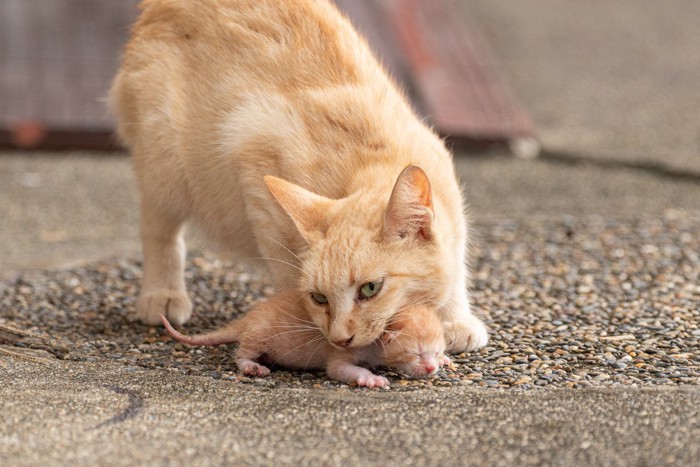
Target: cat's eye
370	289
319	298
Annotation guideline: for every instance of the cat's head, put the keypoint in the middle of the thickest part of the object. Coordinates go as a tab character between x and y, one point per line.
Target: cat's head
414	343
368	255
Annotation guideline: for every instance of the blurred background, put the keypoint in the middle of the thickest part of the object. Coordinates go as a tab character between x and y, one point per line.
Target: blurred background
607	94
59	58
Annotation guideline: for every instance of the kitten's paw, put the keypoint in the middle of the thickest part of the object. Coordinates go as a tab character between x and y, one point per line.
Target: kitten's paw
176	306
465	335
372	381
255	369
444	360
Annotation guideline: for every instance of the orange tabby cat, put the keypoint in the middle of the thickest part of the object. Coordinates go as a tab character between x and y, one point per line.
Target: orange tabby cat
270	124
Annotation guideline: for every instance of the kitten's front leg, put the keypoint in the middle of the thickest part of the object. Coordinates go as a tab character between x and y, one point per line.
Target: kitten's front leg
163	283
246	359
444	360
342	370
464	332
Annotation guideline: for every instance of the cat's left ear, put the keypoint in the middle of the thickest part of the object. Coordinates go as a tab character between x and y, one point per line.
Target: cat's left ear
410	208
308	210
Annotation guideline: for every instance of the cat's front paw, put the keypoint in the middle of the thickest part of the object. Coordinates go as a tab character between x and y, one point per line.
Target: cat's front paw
465	335
176	306
372	381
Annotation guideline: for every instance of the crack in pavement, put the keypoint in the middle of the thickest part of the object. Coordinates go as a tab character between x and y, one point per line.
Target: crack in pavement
648	166
136	405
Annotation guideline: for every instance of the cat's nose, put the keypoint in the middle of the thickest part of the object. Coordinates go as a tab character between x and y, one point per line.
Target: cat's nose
344	342
430	368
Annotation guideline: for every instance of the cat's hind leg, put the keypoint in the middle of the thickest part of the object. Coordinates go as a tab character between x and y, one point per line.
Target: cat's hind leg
163	284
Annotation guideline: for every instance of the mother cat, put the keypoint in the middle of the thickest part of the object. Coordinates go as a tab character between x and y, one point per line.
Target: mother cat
270	124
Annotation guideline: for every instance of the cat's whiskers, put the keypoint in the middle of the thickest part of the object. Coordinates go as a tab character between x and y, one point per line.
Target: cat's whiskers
301	297
420	301
322	340
412	336
285	247
296	318
293	331
381	342
398	342
266	258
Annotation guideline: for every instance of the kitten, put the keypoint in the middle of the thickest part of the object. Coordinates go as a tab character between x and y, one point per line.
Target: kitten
270	125
280	331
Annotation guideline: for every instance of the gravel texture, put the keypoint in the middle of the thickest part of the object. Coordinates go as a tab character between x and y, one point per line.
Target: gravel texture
569	302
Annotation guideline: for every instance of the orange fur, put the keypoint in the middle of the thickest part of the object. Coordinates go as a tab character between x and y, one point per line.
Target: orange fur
212	96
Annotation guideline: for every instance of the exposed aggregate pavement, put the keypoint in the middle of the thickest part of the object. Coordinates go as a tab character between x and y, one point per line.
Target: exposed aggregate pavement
570	302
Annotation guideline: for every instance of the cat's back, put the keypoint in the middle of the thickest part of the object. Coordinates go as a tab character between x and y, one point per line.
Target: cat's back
289	43
188	63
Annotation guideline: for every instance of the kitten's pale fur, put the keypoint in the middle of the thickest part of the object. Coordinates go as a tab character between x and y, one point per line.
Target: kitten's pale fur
272	126
280	331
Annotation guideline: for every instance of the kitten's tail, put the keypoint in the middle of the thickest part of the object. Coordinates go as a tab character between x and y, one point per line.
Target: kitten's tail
226	335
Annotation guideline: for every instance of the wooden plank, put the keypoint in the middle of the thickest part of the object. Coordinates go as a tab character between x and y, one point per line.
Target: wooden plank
367	17
58	58
454	74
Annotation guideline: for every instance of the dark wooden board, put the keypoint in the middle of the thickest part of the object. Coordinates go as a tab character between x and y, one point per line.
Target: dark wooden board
453	73
57	59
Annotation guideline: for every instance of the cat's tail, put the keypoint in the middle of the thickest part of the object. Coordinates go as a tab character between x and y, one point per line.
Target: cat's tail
226	335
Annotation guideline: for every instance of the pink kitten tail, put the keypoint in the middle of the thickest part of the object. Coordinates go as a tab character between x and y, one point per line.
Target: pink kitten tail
218	337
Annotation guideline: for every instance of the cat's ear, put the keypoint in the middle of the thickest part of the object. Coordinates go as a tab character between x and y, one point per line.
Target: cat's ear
307	210
410	208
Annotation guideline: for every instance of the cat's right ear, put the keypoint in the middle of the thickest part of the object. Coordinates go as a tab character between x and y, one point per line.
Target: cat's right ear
307	210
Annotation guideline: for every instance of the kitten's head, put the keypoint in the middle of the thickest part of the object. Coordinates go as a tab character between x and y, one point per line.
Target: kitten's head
414	343
368	255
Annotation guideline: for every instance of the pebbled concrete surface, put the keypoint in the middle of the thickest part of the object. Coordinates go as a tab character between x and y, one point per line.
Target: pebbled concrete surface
60	209
64	413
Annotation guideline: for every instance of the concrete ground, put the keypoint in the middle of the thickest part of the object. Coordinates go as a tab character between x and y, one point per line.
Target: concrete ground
613	91
111	414
607	81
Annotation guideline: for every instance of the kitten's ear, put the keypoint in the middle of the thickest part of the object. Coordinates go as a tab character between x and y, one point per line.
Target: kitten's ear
410	208
307	210
389	336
